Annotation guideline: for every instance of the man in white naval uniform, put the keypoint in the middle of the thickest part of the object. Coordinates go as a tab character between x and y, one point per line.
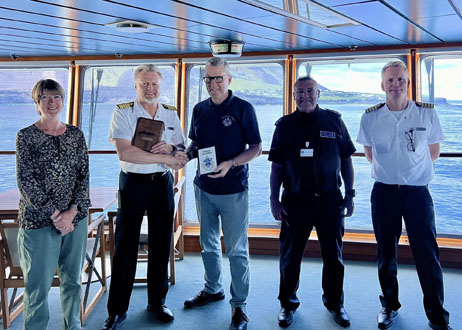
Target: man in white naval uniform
401	139
145	184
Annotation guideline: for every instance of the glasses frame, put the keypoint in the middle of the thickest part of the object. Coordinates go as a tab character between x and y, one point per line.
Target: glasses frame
409	135
305	92
218	79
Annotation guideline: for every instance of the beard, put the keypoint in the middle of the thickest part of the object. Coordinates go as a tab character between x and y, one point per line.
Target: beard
150	100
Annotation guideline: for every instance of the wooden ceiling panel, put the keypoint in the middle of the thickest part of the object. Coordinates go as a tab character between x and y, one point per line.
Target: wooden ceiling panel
213	25
447	28
379	16
78	27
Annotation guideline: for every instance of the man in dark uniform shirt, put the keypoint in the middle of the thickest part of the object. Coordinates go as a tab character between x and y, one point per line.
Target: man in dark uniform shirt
311	149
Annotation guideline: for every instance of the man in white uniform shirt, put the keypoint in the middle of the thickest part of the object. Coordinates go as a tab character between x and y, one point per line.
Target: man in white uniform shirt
145	184
401	139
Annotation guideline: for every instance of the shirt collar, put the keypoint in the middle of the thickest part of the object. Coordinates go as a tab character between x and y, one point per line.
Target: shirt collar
308	115
225	102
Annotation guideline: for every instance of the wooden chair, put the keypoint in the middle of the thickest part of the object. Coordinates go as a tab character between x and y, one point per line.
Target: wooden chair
177	247
12	277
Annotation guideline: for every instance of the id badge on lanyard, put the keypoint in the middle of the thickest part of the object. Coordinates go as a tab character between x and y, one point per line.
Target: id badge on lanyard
306	152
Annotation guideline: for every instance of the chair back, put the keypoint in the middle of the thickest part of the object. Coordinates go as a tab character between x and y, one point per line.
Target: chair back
9	247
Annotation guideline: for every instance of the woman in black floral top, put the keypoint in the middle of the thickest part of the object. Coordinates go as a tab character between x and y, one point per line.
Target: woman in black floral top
53	179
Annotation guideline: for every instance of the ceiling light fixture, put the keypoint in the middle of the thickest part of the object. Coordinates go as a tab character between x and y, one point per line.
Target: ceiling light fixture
226	48
130	26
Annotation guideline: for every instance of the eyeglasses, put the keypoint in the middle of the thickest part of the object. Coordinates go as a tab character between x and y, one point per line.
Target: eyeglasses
49	97
218	79
309	92
409	136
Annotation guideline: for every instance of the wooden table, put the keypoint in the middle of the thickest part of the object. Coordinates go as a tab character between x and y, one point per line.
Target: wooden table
101	199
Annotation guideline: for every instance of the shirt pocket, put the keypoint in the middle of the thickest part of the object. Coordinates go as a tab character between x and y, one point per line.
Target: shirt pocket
382	141
169	131
420	137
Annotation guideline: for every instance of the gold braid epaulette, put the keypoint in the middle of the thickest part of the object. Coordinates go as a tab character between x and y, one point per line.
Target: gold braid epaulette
375	107
424	105
125	105
169	107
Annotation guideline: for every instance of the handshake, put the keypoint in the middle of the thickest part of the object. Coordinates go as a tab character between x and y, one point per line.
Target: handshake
179	158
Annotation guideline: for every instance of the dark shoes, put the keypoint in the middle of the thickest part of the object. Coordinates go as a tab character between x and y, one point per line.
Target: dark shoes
203	298
285	317
340	316
239	319
386	317
439	327
162	312
113	321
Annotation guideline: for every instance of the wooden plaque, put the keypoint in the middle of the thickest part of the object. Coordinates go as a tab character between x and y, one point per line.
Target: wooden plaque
147	133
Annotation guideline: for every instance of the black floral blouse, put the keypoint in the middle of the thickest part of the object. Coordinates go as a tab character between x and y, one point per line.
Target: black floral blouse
52	173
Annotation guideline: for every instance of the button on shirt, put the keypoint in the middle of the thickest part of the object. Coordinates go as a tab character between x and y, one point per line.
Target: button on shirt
394	161
123	124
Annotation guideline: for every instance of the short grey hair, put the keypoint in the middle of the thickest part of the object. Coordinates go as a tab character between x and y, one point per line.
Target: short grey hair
217	61
148	68
304	78
395	64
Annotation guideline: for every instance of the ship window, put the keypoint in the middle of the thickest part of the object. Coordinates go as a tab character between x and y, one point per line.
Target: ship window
17	110
262	85
441	83
350	87
104	88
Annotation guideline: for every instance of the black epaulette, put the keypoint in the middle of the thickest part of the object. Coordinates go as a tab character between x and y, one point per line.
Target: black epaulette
125	105
278	121
424	105
375	107
335	112
169	107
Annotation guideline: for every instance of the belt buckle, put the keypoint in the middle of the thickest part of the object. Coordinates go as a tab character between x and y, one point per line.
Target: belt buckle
317	194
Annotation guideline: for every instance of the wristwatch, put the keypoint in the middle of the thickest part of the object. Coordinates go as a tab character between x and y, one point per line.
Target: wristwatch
350	192
234	163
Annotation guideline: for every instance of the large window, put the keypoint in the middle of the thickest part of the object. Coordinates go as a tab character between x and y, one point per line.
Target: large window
350	87
104	88
17	110
262	85
442	84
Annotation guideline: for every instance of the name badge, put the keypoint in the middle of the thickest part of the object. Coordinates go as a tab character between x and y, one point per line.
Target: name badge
306	152
207	160
327	134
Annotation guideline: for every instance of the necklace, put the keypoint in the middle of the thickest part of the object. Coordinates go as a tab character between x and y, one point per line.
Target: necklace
50	131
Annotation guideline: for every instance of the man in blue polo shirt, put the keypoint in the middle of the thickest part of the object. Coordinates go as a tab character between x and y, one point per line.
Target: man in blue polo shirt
228	124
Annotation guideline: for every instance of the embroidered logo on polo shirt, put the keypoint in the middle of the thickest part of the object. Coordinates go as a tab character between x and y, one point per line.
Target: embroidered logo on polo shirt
326	134
227	120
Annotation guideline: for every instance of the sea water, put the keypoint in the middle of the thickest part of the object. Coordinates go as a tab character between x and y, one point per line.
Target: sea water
104	169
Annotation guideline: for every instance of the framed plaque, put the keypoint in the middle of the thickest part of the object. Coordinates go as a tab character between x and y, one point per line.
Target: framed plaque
207	160
147	133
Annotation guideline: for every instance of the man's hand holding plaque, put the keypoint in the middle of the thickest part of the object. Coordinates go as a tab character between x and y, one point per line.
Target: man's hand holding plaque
148	132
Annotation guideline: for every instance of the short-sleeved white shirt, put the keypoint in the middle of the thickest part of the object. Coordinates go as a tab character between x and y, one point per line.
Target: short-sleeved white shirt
123	124
394	162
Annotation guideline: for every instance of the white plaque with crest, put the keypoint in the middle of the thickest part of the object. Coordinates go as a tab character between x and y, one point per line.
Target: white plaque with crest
207	160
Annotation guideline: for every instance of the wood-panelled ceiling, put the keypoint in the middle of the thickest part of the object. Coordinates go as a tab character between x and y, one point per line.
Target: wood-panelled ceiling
31	28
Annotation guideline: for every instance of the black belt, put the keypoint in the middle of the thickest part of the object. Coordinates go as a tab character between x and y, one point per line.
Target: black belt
400	186
147	176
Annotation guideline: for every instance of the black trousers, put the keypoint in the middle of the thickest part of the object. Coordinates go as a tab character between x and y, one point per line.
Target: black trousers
414	204
323	213
137	194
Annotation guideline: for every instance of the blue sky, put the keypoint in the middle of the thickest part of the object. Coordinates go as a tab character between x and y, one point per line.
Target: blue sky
365	77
